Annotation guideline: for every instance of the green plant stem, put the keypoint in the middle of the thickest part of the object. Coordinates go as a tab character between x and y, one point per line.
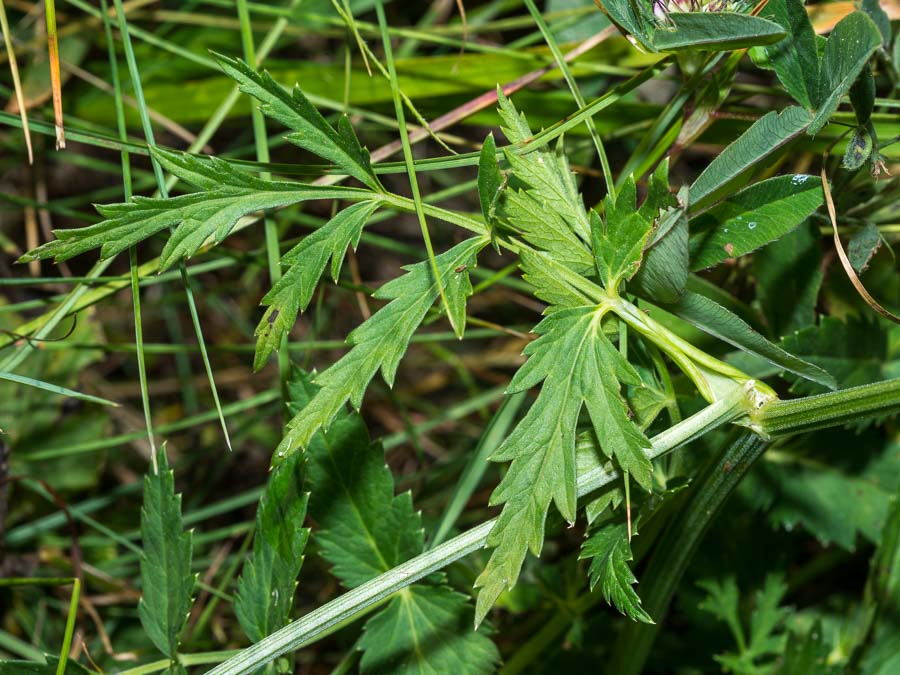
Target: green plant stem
273	252
164	192
310	627
679	542
828	410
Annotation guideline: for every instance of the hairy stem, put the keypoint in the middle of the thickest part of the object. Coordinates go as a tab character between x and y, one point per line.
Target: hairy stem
828	410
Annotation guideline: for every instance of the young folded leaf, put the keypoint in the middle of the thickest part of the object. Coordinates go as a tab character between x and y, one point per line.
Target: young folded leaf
311	131
166	578
381	341
579	367
265	589
306	262
619	238
365	530
227	195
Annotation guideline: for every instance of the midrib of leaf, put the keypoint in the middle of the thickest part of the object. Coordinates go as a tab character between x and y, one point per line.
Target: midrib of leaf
336	471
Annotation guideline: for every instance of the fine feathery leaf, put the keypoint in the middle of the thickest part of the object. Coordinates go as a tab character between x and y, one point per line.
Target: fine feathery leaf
365	530
265	589
610	552
764	639
306	263
380	342
166	577
579	367
310	130
227	195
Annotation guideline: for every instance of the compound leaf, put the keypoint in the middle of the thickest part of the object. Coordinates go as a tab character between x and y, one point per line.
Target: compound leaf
227	195
578	367
305	264
166	578
380	342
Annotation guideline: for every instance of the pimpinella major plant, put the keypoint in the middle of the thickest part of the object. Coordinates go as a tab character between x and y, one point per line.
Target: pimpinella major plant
632	335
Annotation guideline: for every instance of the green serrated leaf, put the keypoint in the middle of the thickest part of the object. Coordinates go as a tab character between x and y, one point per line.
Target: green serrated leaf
663	274
754	217
859	149
836	496
166	578
795	59
620	237
546	277
311	131
228	195
305	264
712	318
610	552
364	531
545	175
265	589
850	46
378	343
578	367
764	137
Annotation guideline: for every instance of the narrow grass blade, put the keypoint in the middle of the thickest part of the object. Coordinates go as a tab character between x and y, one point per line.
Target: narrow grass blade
17	84
54	389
